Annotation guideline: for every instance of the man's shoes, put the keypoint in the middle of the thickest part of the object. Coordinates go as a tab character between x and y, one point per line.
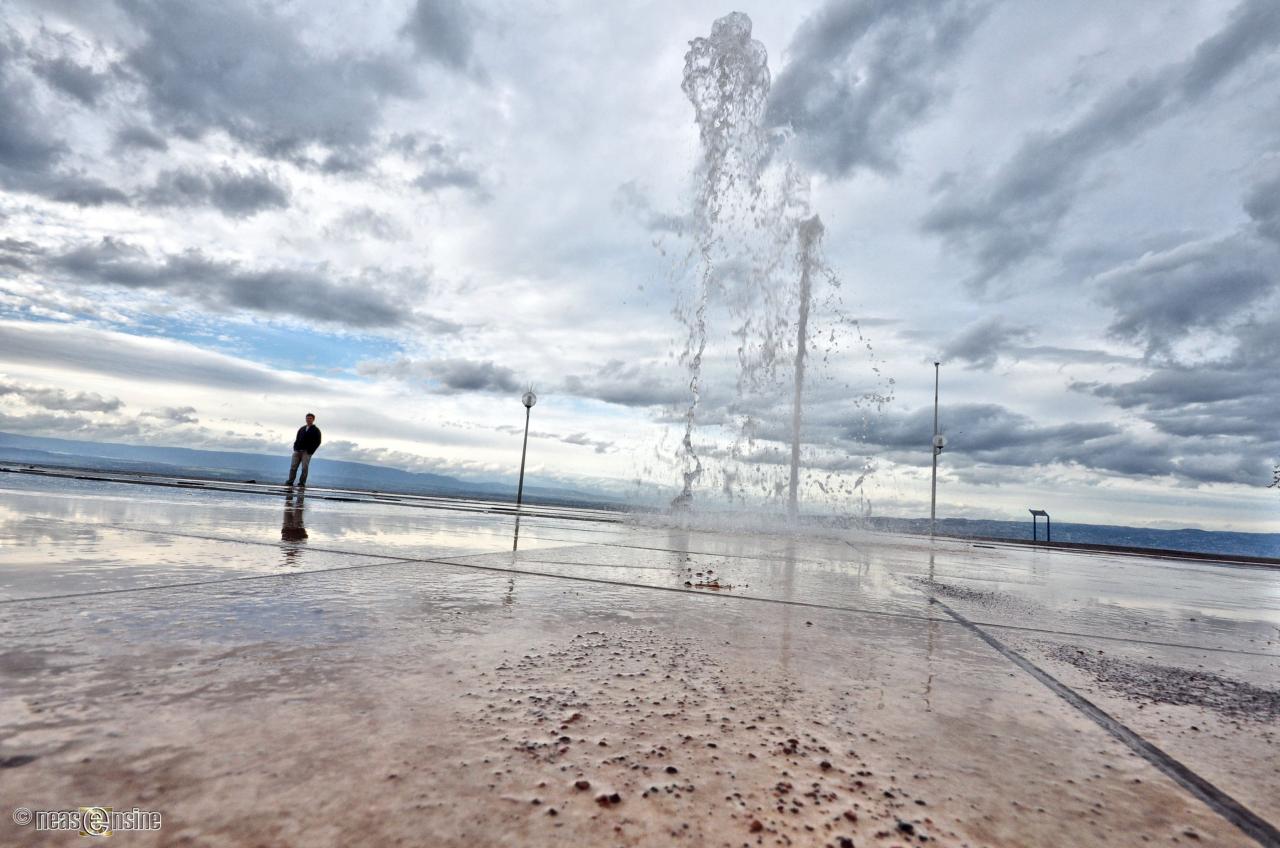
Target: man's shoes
289	483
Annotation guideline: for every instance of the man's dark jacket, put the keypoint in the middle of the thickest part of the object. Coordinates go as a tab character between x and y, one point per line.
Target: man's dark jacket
308	438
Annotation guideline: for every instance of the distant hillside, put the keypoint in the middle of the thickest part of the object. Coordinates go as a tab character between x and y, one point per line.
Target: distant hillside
1199	541
228	465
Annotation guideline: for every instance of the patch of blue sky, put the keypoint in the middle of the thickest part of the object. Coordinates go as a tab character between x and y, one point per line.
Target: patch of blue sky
286	346
292	347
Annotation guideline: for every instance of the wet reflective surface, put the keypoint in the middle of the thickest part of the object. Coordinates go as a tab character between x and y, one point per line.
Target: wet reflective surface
394	654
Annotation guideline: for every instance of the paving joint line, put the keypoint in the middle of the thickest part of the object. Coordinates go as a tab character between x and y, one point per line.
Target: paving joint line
1249	822
451	560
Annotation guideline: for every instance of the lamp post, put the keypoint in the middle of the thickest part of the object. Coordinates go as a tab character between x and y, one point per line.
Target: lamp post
528	399
939	442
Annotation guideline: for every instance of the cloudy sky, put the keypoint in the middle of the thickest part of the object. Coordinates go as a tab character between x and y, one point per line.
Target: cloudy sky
217	216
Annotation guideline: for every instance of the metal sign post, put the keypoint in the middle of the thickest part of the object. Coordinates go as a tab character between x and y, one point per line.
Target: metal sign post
939	442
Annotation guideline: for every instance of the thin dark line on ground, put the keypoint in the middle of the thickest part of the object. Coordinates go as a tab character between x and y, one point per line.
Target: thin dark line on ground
1256	827
832	607
241	579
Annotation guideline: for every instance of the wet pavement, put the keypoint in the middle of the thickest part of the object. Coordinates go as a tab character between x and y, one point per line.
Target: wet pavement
267	668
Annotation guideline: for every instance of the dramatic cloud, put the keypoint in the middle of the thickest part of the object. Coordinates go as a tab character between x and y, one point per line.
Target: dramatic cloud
1015	213
227	286
981	435
1263	206
861	73
1160	298
79	81
983	342
30	156
236	195
1237	395
140	138
57	399
443	30
241	68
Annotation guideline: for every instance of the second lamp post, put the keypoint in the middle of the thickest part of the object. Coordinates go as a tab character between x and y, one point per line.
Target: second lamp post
528	399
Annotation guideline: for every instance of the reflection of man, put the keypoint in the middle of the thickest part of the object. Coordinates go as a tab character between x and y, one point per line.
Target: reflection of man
304	445
291	528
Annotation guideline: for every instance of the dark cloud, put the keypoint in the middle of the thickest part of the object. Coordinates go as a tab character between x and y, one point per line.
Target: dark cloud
25	145
980	436
630	198
982	343
448	176
140	138
1160	298
861	73
221	285
59	400
627	384
1218	414
988	432
79	81
600	446
445	166
345	162
46	423
1236	395
1263	206
77	189
174	414
1254	28
235	194
1015	214
364	221
580	439
30	156
444	31
466	375
241	68
448	376
19	254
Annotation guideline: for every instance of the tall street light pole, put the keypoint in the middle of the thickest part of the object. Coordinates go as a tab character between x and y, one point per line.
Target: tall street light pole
939	442
529	399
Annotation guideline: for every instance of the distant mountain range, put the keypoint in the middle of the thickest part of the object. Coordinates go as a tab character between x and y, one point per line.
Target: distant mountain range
241	467
1217	542
262	468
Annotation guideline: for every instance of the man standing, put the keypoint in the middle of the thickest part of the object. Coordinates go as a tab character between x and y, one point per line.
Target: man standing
304	445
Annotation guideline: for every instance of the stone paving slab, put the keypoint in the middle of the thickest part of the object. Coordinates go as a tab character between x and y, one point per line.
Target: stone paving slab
464	700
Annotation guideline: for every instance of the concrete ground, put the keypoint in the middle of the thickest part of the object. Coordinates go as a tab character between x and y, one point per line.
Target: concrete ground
265	669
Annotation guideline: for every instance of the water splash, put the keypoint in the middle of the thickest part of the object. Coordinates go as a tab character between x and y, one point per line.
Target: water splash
756	265
809	232
726	78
